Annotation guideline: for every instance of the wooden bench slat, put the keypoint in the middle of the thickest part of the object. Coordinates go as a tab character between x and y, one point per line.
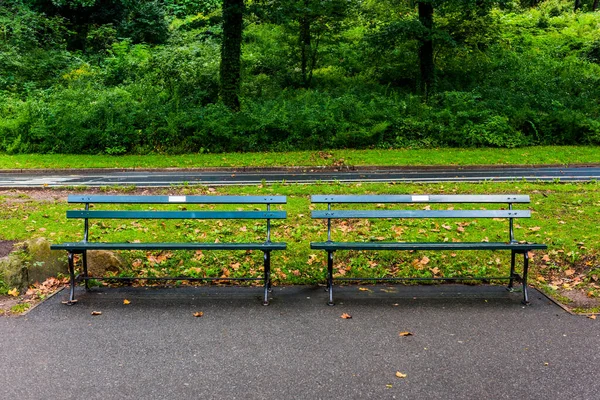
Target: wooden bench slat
80	246
108	214
509	198
338	214
177	199
426	246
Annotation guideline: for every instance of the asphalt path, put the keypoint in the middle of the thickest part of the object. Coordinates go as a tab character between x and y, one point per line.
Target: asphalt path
166	178
467	342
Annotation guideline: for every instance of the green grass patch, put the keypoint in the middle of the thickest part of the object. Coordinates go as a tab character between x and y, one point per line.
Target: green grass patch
566	217
543	155
20	308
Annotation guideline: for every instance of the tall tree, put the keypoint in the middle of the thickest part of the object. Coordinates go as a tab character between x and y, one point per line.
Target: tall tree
231	52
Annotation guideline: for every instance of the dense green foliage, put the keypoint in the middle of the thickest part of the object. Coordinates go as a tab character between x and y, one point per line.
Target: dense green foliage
131	76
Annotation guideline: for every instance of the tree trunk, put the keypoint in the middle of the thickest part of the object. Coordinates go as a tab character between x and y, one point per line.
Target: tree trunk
595	5
231	51
577	5
427	78
305	49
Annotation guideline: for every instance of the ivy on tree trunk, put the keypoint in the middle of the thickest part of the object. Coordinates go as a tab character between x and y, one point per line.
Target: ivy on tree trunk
231	51
427	76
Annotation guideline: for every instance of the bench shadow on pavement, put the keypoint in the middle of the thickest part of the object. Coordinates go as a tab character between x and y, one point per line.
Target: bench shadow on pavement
290	298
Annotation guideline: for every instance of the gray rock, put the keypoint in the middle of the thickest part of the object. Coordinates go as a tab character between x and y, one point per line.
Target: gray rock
32	262
13	271
43	262
102	261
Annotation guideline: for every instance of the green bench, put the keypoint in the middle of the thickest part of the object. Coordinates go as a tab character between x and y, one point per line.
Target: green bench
509	213
86	214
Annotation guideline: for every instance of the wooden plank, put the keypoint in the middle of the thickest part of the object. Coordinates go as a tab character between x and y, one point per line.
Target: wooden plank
340	214
426	246
80	246
176	214
418	198
177	199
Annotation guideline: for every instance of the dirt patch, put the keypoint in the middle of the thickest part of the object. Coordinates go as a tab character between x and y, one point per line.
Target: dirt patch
6	303
576	284
6	247
580	299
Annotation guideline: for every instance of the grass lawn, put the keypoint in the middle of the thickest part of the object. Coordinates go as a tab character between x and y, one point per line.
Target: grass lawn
567	155
564	216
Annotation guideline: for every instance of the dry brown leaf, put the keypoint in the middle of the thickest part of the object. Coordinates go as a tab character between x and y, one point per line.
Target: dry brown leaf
424	260
405	333
447	227
591	316
535	228
346	316
460	229
364	289
198	314
569	272
546	258
96	312
400	375
126	302
435	270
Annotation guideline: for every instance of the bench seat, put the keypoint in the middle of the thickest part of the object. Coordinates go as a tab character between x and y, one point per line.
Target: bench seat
141	208
411	208
517	247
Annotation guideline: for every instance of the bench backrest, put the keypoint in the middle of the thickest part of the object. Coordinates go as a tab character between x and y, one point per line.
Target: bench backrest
86	214
330	214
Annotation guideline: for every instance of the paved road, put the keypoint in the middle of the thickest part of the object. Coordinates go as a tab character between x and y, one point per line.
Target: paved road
469	342
167	178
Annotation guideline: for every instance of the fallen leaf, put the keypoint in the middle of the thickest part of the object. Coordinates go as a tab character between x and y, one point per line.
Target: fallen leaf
405	333
424	260
346	316
364	289
96	312
435	270
400	374
447	227
388	386
126	302
546	258
569	272
13	292
591	316
198	314
535	228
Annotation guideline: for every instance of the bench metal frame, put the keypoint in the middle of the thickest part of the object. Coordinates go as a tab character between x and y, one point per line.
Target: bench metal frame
515	247
82	247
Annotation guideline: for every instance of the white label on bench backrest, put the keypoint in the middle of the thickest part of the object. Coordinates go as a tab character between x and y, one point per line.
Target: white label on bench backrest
177	199
420	198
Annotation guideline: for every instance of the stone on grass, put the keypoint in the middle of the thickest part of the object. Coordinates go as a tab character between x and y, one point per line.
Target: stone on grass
43	262
100	262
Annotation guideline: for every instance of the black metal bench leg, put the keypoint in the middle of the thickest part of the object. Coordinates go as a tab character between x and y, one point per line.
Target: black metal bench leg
525	269
330	277
267	277
85	270
512	270
71	300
